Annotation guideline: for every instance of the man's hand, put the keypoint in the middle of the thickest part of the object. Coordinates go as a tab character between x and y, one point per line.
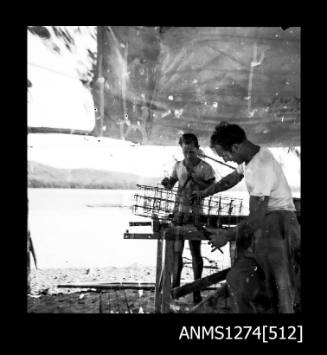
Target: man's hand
218	237
166	183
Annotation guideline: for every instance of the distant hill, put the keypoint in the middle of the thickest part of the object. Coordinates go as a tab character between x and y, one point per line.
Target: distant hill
41	175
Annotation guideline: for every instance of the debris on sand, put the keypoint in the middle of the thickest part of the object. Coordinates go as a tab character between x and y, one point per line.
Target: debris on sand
46	297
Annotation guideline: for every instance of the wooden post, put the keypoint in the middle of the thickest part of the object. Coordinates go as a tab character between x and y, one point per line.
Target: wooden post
157	300
167	273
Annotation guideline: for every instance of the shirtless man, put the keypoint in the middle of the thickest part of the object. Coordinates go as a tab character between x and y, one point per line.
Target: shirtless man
192	174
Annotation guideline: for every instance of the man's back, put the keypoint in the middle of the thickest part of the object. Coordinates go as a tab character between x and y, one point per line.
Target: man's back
264	176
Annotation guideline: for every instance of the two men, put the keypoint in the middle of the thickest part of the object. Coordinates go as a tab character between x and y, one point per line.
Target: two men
192	174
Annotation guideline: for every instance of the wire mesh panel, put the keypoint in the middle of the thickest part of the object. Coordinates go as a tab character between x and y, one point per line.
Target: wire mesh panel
154	202
161	203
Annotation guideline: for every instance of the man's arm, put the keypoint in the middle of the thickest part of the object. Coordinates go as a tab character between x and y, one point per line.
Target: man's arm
225	183
168	183
253	224
258	209
203	184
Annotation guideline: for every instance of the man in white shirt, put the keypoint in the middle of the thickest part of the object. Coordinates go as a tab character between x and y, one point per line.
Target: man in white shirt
192	174
269	239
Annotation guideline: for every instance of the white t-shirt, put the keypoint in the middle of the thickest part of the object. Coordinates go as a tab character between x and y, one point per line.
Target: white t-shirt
203	171
264	177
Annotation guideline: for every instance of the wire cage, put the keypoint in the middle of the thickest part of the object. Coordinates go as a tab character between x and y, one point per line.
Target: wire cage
157	202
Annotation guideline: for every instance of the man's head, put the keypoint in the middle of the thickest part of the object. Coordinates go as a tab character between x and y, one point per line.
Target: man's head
227	141
190	146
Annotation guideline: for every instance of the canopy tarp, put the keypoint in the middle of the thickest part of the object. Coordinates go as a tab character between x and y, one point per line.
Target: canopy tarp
154	83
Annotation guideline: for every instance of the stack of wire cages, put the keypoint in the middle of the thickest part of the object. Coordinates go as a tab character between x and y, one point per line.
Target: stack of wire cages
152	202
159	202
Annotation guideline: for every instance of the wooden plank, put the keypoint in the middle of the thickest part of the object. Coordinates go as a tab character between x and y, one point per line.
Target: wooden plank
167	273
157	299
199	284
58	130
118	286
140	223
112	286
191	235
128	235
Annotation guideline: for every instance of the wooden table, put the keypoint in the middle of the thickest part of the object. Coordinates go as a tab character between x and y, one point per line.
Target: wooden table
166	235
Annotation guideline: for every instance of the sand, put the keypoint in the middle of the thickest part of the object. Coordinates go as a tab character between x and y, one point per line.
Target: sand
46	297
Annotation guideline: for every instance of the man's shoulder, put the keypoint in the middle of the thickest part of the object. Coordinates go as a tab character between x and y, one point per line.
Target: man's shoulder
266	153
265	163
265	158
178	164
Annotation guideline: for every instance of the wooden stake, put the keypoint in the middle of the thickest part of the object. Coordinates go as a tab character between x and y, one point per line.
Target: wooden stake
28	265
166	285
157	300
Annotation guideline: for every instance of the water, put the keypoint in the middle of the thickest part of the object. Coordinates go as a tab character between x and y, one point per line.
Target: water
85	228
68	233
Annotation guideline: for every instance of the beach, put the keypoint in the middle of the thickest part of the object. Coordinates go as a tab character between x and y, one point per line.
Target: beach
47	297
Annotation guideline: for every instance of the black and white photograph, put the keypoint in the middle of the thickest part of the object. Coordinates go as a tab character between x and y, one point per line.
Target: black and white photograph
164	171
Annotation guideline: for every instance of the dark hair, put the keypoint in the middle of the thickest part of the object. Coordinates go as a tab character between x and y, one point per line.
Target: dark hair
188	138
227	134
